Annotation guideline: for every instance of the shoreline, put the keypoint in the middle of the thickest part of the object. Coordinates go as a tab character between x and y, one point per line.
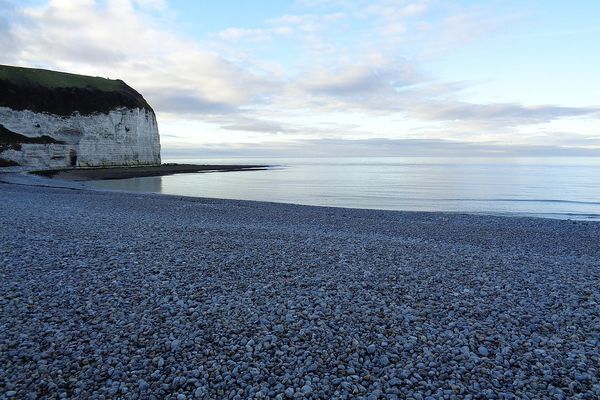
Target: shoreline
29	178
88	174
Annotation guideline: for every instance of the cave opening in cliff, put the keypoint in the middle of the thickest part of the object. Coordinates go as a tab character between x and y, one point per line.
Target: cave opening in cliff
73	158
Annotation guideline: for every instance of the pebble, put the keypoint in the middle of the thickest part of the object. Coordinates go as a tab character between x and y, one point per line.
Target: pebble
306	389
113	295
483	351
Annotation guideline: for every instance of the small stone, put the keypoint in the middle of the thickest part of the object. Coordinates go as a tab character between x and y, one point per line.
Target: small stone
199	392
371	349
143	385
483	351
583	377
289	392
306	389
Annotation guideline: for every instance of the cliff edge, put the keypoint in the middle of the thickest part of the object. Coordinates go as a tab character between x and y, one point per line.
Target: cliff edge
52	119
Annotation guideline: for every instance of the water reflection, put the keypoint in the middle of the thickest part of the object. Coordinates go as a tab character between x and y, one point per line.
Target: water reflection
151	184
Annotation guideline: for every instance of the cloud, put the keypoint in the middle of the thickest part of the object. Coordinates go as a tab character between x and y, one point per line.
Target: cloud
323	4
461	28
377	147
255	125
402	90
183	103
308	23
394	16
237	34
151	4
114	39
6	14
565	139
372	76
353	81
396	10
293	74
505	113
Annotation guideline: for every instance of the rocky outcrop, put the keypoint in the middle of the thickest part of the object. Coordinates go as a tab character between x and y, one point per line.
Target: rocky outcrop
55	120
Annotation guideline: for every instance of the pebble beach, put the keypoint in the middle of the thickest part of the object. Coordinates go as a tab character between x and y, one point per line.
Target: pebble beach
108	295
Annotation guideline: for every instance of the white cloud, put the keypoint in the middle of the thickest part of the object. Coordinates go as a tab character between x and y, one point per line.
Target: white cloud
308	23
348	58
463	27
236	34
152	4
395	11
377	147
503	114
251	125
6	12
115	40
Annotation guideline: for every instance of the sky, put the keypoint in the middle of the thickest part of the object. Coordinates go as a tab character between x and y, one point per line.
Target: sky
334	77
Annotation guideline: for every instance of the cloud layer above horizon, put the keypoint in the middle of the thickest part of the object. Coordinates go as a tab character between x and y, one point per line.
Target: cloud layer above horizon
325	71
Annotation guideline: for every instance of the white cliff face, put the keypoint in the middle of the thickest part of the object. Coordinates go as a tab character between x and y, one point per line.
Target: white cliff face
121	137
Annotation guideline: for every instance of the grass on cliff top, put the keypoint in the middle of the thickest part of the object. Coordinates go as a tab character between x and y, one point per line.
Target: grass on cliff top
53	79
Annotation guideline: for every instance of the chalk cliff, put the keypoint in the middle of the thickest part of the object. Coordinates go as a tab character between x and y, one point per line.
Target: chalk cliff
55	120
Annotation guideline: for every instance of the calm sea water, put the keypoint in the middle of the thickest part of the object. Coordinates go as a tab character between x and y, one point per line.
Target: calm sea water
546	187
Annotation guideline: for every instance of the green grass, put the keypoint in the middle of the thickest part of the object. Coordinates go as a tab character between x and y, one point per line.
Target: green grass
53	79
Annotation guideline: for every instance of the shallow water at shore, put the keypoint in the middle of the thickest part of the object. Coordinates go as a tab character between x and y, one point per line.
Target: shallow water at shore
558	187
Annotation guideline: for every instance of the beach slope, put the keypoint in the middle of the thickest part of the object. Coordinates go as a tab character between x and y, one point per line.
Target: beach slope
148	296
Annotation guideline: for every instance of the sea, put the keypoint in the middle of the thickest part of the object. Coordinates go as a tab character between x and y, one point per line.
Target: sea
558	187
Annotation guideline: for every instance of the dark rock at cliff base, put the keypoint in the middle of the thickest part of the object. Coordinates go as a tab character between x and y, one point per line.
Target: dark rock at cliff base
8	163
13	140
63	94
